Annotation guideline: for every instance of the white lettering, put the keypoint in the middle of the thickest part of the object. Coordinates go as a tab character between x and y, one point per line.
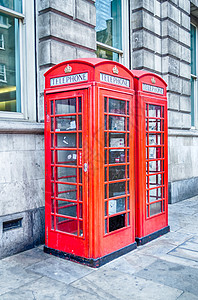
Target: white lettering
152	89
114	80
69	79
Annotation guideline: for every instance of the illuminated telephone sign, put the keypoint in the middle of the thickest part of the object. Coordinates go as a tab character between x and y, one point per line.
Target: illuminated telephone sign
89	151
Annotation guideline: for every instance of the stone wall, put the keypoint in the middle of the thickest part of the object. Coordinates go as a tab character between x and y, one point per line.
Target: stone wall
66	30
161	44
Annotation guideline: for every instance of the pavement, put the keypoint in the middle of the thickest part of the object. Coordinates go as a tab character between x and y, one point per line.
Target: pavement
165	269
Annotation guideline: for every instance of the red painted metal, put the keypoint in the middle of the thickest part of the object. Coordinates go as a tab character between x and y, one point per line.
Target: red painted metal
89	157
151	154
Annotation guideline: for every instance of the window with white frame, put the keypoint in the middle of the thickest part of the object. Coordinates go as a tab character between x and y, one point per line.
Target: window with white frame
10	87
2	44
2	73
112	30
194	103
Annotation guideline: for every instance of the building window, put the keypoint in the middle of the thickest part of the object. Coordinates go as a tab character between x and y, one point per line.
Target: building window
2	73
10	85
112	30
193	73
2	44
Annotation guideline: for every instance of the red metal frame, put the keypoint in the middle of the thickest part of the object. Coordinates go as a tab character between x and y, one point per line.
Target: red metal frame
151	156
93	81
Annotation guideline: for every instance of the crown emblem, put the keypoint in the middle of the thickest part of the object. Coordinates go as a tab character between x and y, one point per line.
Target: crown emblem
68	69
153	80
115	70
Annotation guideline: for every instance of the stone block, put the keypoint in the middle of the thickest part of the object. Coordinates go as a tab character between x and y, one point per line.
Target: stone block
174	84
44	53
185	54
173	66
149	60
81	53
138	39
157	9
41	80
173	101
185	70
158	63
183	189
6	142
63	6
86	12
171	47
138	58
173	13
146	4
137	20
39	140
76	32
184	37
174	119
170	29
22	142
186	87
6	164
151	23
185	20
185	5
44	28
61	52
185	103
27	195
38	225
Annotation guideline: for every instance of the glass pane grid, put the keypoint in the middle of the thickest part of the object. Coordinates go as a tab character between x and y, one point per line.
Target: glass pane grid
154	159
67	173
116	190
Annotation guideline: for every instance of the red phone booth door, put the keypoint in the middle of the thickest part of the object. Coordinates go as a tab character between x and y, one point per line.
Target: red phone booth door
66	187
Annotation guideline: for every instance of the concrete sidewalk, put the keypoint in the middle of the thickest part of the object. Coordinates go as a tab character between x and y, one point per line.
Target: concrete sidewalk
166	268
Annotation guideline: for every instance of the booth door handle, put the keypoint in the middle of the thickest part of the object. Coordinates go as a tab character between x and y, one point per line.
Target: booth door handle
85	167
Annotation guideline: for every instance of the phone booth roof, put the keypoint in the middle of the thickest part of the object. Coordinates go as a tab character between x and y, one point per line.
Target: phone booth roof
86	70
149	82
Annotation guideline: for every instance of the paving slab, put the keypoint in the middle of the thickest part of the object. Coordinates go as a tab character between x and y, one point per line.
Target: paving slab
173	275
60	269
194	239
175	238
13	277
190	246
46	289
156	248
124	286
26	258
185	253
187	296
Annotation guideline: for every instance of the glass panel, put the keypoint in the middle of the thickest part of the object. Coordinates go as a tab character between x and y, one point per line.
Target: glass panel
105	225
155	152
155	180
117	140
65	106
128	202
107	54
81	228
52	222
67	208
79	104
105	208
52	205
79	122
105	156
66	157
155	194
66	140
116	123
67	225
116	106
105	191
128	172
128	219
105	104
80	193
154	111
116	222
80	140
154	139
52	124
128	124
67	191
155	208
105	122
66	123
109	22
67	174
80	175
116	206
52	107
127	108
106	141
12	4
10	92
156	166
116	156
80	211
52	140
155	125
116	173
116	189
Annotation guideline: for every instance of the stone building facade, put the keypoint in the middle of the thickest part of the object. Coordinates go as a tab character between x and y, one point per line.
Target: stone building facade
156	36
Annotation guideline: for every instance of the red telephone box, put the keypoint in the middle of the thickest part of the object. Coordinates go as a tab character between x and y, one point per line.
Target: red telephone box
151	157
89	138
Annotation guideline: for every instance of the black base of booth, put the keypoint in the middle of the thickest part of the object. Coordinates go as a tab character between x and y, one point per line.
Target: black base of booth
94	263
152	236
